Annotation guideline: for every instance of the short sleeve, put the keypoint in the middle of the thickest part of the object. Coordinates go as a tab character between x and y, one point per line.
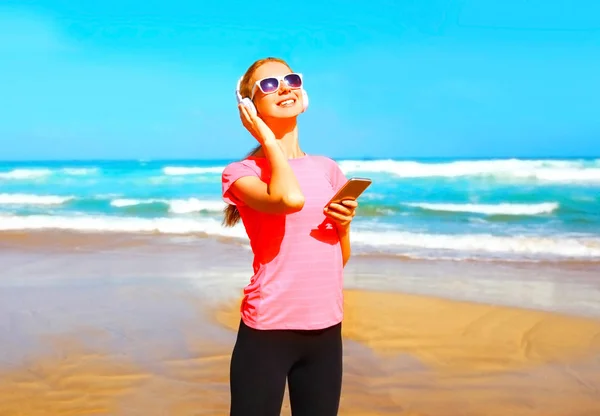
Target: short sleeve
336	175
232	173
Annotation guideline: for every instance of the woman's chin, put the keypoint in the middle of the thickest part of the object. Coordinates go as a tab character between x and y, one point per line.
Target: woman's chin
286	112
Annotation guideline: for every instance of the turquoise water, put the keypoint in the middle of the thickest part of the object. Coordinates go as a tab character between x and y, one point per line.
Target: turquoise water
507	209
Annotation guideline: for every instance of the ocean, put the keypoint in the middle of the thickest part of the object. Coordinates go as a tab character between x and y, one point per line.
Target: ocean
525	210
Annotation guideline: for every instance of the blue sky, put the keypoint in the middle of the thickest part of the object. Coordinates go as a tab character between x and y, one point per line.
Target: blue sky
155	79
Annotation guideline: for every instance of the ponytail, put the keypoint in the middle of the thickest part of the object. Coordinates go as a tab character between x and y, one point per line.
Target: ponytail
231	214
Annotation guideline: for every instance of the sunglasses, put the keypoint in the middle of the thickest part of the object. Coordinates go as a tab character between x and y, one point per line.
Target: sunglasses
271	84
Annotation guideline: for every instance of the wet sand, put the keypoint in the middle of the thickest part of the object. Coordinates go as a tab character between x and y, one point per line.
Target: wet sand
438	357
146	327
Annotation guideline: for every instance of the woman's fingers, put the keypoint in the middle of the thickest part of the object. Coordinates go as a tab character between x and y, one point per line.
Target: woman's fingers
350	203
340	208
244	113
246	118
338	217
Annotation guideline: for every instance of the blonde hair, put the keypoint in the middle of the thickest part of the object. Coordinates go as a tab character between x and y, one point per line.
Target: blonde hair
231	214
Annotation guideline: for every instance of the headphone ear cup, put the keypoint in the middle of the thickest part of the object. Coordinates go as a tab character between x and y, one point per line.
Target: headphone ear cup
304	100
246	102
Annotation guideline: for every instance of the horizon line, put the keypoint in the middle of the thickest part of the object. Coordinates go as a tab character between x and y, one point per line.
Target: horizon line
397	158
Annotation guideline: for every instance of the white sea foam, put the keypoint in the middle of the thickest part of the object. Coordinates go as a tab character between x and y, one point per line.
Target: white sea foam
80	171
184	206
563	171
426	244
522	246
180	170
37	173
124	202
25	173
491	209
103	223
28	199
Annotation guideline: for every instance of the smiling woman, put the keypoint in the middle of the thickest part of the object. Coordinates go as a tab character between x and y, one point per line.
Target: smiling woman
291	313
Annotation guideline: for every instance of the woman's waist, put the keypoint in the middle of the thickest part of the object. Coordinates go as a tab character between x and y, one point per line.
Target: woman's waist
294	277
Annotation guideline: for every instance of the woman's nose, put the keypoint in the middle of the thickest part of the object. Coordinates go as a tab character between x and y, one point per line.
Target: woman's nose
283	87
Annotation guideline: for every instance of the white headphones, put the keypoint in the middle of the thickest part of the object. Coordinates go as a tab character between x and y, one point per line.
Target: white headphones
250	105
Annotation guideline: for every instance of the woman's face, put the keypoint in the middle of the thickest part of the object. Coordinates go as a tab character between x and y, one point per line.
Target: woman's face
285	101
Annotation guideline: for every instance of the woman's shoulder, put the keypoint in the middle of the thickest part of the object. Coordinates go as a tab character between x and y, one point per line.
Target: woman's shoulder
252	163
248	166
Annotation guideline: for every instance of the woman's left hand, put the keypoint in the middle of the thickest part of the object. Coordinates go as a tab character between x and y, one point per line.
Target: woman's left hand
341	214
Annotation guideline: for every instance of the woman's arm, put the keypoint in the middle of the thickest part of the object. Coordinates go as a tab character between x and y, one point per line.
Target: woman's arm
281	195
345	244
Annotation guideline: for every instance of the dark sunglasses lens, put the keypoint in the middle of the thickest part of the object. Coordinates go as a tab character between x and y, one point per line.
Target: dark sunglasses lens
293	80
269	85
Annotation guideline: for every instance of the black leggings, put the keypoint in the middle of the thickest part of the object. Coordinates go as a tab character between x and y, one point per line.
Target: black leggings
262	360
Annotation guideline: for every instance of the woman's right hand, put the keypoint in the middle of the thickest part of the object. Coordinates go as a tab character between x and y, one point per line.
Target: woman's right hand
255	125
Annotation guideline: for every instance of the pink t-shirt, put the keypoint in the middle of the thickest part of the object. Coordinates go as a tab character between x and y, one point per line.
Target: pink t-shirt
298	265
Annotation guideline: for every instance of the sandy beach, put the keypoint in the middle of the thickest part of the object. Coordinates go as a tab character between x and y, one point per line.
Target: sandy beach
112	324
473	287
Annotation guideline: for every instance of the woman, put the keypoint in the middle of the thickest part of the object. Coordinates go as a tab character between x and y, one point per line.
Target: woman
291	312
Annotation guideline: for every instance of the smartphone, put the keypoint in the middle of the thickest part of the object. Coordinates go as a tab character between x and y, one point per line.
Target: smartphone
351	189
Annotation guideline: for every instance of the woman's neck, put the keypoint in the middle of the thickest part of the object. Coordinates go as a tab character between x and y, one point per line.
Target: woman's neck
286	133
